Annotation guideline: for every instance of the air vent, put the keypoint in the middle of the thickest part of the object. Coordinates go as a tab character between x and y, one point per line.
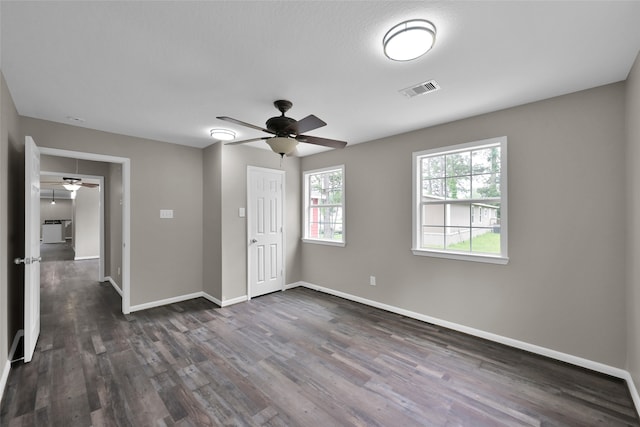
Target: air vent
420	89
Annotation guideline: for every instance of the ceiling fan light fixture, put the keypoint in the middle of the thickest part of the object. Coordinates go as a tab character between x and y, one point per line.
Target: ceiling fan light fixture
282	145
71	187
223	134
409	40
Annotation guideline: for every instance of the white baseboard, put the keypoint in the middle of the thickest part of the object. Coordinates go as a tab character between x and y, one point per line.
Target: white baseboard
165	301
295	285
14	344
633	390
213	299
82	258
533	348
228	302
7	366
180	298
224	303
4	377
114	284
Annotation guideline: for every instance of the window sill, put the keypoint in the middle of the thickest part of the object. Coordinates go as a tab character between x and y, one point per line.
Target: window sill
325	242
490	259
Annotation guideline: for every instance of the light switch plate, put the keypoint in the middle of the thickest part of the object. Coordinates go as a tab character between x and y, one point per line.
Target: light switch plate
166	213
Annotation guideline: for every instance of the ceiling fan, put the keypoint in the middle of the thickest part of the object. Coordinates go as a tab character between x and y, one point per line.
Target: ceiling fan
72	184
287	131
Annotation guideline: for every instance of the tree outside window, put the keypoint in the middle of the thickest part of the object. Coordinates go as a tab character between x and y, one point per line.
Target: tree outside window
324	210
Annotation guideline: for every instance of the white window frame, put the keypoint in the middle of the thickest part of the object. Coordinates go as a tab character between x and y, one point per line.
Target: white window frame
306	207
502	258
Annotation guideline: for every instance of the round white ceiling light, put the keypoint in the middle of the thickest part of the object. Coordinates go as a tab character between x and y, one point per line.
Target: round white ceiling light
223	134
409	40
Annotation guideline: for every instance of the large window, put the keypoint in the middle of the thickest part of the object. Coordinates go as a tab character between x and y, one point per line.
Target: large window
324	206
460	201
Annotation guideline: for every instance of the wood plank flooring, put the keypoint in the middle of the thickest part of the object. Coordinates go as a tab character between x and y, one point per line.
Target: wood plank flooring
294	358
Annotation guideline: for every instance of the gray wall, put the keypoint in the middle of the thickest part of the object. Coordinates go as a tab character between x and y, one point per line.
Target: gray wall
234	161
113	224
86	223
212	220
564	285
11	226
165	254
633	221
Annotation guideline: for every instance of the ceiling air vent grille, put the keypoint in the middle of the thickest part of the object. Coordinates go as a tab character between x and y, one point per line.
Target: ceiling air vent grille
420	89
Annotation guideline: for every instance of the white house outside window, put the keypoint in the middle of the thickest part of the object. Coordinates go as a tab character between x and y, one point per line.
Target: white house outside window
324	206
460	201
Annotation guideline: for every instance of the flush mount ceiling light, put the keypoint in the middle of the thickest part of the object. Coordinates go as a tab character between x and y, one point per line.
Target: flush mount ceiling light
282	145
409	40
223	134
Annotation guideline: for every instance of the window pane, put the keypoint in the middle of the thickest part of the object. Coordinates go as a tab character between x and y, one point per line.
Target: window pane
458	164
458	238
325	223
486	240
486	160
459	215
486	185
433	214
433	167
449	178
432	238
458	188
433	188
486	214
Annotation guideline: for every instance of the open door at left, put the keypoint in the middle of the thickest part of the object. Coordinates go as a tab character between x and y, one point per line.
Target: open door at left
31	258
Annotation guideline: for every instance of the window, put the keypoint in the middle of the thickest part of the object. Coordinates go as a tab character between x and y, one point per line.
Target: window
460	201
324	206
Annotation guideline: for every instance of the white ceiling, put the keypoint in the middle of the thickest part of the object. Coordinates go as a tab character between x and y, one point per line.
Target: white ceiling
165	70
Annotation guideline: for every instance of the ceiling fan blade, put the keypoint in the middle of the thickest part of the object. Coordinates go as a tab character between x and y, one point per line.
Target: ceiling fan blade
249	125
307	124
246	140
333	143
88	185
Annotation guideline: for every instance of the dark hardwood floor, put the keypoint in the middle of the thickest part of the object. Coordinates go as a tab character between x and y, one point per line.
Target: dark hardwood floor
294	358
57	251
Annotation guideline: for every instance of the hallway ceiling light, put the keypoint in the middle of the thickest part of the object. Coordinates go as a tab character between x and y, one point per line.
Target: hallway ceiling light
223	134
409	40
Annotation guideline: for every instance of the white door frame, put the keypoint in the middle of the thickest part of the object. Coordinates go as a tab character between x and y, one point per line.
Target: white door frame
101	179
250	214
126	210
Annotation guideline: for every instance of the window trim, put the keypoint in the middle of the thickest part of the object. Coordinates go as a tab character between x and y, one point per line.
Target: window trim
305	216
503	257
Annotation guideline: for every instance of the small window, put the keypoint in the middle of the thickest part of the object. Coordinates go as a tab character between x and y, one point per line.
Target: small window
460	201
324	206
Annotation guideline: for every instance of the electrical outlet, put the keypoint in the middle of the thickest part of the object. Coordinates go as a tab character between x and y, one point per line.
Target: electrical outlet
166	213
118	271
372	280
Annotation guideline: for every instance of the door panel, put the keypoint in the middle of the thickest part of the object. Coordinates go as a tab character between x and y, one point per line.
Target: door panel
32	248
265	210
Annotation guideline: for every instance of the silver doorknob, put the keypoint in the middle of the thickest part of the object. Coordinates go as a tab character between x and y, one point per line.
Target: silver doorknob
254	241
26	261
